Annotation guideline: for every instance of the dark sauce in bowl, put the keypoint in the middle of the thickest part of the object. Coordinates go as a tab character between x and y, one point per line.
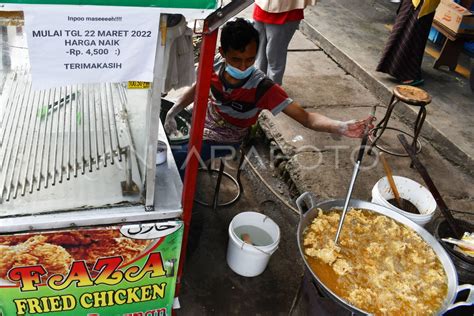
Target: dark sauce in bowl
407	206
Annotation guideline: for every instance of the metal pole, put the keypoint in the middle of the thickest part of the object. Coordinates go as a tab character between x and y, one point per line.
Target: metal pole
203	84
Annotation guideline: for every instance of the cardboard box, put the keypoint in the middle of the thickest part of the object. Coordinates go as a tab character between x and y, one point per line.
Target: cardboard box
455	17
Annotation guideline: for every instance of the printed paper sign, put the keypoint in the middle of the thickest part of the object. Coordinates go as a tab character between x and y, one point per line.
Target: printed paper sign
85	44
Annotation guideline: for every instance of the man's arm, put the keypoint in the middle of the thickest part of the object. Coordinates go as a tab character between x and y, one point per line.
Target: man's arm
321	123
186	99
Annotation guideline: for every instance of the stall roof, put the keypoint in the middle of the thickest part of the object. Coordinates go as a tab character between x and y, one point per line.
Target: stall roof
184	4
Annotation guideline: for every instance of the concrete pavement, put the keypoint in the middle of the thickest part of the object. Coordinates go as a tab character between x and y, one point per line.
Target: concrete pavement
304	160
353	33
323	163
331	69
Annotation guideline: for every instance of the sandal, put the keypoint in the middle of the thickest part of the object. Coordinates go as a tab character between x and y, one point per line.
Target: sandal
413	83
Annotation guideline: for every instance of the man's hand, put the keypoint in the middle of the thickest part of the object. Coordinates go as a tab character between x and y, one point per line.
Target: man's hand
355	128
322	123
171	127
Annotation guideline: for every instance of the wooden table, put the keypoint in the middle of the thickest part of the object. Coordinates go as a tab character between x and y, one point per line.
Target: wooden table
452	47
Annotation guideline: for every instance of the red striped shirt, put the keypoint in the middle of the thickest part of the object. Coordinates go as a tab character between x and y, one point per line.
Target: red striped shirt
232	109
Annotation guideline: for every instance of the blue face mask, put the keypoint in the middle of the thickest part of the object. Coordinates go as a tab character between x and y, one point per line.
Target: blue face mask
237	73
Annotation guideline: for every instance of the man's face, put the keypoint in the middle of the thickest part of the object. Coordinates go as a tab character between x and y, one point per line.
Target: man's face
238	59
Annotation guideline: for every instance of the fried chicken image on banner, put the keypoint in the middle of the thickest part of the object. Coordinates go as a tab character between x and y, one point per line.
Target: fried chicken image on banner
57	250
83	237
34	251
13	240
118	246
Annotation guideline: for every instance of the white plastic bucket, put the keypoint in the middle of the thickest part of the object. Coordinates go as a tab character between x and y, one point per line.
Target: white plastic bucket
251	259
409	190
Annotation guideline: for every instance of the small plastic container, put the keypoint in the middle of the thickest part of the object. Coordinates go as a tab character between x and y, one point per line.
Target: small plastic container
161	152
409	190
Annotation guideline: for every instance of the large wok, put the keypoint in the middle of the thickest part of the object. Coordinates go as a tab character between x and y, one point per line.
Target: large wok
308	202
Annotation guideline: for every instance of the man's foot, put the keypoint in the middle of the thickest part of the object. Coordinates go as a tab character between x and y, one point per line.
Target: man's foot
395	1
414	83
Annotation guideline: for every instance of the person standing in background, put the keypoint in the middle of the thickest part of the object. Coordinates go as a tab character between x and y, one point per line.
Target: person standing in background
403	53
276	22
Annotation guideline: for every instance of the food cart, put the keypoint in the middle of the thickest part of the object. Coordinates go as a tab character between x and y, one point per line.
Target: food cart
89	224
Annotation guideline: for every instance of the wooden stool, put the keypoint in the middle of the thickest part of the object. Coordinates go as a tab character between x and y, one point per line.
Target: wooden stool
409	95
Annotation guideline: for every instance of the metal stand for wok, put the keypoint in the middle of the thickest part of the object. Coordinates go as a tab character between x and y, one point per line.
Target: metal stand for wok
310	300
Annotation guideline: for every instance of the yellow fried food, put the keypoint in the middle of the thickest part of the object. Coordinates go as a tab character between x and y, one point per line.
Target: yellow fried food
380	266
34	251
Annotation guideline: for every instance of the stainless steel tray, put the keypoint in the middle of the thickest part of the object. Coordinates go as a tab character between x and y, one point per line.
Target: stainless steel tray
64	148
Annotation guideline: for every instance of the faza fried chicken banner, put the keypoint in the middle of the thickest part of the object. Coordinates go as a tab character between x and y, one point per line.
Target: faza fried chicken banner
116	270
